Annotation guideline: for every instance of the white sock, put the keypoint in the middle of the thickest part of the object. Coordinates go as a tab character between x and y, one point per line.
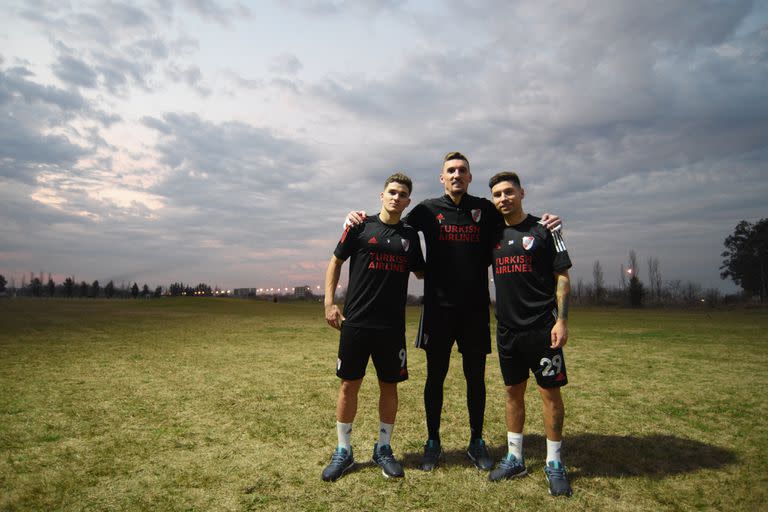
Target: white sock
515	444
344	432
553	450
385	433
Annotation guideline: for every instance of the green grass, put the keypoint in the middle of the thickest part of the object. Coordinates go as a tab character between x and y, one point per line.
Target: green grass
195	404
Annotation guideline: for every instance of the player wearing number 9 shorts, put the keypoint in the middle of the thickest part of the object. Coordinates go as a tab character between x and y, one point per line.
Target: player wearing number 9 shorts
530	270
382	253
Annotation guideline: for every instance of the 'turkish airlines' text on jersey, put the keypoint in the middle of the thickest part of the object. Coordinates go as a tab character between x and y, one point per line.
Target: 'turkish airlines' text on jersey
525	259
381	258
457	238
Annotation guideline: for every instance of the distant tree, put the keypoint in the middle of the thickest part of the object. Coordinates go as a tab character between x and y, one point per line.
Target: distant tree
145	291
712	297
579	289
135	290
623	277
691	293
598	288
51	287
3	282
654	278
95	288
636	288
69	286
633	268
109	290
158	292
636	292
176	289
83	289
36	286
746	258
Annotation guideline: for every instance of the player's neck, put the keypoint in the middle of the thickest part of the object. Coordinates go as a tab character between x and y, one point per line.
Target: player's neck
515	218
456	196
389	218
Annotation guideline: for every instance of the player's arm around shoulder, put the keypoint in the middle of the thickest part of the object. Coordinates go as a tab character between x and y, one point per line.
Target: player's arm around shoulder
551	221
559	333
333	315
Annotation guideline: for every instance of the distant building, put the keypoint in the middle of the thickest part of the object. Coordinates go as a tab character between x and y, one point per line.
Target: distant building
244	292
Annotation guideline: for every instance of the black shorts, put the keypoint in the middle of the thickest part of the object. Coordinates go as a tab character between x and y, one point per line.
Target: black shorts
386	347
529	350
440	326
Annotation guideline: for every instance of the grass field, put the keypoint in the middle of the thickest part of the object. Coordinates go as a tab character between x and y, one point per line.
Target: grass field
195	404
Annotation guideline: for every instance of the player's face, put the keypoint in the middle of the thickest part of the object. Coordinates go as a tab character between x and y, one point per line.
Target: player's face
395	198
507	197
455	176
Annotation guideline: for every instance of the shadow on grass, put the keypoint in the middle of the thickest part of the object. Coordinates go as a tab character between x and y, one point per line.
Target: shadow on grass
592	455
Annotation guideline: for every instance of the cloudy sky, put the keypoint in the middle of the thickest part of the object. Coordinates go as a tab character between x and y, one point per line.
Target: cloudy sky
206	141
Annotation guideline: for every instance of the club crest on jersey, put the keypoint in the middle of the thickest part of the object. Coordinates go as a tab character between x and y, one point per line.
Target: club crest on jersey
440	218
406	244
373	241
527	243
476	214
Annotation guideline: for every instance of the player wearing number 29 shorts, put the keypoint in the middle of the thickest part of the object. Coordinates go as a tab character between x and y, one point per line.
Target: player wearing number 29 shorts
530	271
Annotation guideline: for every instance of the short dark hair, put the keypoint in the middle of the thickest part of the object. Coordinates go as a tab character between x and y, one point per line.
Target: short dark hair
504	176
455	155
402	179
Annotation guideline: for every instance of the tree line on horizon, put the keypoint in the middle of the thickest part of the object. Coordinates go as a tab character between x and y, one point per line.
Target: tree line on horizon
70	288
745	263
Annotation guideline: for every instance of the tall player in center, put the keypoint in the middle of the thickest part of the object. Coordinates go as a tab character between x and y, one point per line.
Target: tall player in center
457	229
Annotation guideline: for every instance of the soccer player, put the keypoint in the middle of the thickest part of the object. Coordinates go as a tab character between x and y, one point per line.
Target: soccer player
382	251
458	230
530	268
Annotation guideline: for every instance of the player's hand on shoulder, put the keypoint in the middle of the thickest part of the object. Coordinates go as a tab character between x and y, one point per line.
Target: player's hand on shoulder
355	217
333	316
551	222
559	334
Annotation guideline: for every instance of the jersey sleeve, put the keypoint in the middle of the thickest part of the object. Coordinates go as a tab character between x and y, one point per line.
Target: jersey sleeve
346	245
561	260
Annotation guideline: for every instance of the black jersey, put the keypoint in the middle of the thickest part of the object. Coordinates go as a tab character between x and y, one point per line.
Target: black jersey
381	258
458	238
525	259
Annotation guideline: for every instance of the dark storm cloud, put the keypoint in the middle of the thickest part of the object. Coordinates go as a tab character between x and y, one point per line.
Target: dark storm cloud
14	81
74	71
115	45
27	110
117	71
229	175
